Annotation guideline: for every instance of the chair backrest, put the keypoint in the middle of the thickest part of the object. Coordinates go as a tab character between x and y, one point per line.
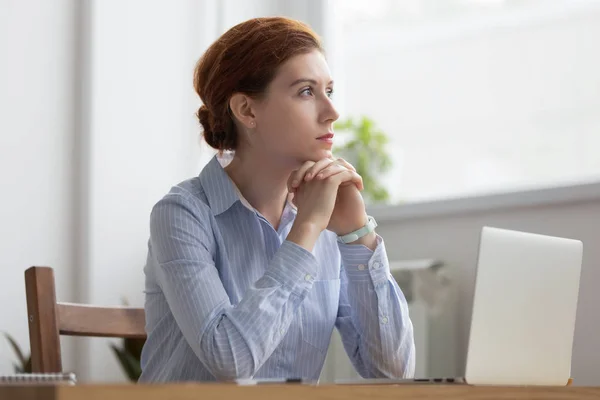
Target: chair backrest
49	319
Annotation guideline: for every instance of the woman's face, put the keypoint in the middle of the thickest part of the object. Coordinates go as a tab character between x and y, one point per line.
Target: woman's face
294	121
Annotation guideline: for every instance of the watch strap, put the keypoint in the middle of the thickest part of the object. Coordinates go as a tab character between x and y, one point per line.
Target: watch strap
357	234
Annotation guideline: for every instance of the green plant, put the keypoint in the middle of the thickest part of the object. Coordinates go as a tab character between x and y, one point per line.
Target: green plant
366	150
129	355
24	364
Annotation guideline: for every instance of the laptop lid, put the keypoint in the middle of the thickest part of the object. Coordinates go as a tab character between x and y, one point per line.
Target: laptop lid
524	308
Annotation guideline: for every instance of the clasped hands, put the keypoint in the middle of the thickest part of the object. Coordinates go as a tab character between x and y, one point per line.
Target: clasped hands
327	194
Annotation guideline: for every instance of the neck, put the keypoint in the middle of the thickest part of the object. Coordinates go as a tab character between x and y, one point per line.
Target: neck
262	183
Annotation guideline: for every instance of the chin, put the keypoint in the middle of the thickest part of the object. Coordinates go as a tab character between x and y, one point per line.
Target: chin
312	156
321	154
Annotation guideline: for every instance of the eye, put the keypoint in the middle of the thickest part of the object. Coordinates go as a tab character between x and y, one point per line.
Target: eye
309	92
306	91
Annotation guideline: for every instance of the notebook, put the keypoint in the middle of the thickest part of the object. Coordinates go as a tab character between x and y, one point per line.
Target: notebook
65	378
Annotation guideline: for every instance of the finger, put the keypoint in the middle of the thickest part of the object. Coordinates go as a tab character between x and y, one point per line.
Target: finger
330	170
338	162
345	163
299	173
290	180
317	168
297	176
347	176
336	169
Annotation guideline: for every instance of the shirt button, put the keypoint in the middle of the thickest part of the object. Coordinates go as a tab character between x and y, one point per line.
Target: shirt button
384	320
282	331
376	265
361	267
308	278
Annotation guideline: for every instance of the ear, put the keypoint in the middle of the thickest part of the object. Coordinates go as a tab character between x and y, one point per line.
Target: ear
241	107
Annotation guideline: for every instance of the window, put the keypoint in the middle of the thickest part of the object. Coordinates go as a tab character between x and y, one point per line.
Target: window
476	96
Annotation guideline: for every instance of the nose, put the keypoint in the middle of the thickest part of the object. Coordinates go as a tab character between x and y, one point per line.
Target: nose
329	113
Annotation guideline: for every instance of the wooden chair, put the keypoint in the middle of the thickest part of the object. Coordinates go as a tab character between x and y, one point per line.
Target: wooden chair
49	319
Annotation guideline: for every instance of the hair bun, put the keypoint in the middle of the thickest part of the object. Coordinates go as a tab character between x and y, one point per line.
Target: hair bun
204	118
211	138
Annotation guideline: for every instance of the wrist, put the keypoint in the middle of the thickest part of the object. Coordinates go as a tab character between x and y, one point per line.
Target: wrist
369	240
363	235
304	234
351	227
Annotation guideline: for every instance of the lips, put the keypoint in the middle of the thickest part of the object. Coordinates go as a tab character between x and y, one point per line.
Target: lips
327	136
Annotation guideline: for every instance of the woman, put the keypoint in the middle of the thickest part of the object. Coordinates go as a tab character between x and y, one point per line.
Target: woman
242	282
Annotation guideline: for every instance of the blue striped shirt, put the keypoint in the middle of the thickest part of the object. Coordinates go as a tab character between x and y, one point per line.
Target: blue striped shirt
228	297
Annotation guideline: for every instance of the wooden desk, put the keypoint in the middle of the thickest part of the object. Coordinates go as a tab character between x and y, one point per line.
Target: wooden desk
290	392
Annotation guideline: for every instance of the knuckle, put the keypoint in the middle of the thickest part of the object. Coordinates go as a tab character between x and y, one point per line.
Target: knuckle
331	179
308	165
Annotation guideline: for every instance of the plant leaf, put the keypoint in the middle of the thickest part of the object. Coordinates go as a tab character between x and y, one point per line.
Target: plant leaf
130	365
134	347
366	149
16	349
344	125
28	368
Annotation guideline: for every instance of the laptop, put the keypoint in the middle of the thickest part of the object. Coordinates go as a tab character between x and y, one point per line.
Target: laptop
524	307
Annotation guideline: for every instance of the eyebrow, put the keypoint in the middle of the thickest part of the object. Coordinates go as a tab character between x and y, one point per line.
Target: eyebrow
312	81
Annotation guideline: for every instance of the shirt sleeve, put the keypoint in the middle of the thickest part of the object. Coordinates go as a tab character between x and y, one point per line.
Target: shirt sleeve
231	341
373	318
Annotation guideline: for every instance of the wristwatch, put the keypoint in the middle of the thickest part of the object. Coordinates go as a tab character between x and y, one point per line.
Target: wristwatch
357	234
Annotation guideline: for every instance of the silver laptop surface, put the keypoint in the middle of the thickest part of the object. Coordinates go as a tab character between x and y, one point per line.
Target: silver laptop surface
524	307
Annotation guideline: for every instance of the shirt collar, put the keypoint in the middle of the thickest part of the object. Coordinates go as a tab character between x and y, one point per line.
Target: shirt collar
220	190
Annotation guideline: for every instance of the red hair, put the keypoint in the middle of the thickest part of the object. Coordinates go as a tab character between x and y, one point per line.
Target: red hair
245	59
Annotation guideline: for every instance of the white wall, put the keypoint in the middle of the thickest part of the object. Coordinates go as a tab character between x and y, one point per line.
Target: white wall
451	234
97	124
144	138
482	103
37	99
